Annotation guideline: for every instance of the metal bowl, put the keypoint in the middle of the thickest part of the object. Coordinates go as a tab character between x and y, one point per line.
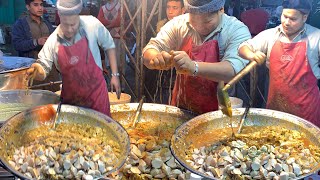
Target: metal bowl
15	101
184	135
12	72
15	128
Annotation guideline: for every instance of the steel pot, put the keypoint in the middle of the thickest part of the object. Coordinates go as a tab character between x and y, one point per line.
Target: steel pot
15	101
184	135
15	128
13	71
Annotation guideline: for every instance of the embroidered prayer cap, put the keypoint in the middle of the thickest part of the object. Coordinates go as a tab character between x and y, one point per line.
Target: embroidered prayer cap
69	7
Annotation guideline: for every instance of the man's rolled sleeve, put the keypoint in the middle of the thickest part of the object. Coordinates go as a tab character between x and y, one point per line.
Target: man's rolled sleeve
167	39
259	42
231	54
105	39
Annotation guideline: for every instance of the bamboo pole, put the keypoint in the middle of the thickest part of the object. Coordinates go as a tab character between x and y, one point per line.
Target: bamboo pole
138	51
140	19
122	34
143	42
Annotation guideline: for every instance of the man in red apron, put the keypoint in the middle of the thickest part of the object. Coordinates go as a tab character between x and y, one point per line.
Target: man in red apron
205	42
73	49
293	54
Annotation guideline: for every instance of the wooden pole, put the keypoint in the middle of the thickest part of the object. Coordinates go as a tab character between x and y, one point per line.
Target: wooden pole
139	23
138	51
143	42
122	34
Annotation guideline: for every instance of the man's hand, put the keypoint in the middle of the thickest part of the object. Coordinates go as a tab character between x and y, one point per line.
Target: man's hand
248	53
162	61
35	71
115	85
183	63
259	57
41	41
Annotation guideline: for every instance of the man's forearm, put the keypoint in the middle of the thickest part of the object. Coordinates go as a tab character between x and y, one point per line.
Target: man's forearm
246	53
112	60
220	71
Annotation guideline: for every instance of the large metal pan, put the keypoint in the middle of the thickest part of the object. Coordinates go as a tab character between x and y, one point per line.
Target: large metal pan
157	121
198	126
15	128
15	101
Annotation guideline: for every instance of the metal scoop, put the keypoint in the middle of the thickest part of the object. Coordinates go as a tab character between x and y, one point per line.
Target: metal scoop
222	94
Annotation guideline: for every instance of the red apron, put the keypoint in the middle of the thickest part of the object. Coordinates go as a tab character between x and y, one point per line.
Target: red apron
293	86
83	81
195	93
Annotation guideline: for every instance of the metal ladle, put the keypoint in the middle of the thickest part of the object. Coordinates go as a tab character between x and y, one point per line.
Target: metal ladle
222	94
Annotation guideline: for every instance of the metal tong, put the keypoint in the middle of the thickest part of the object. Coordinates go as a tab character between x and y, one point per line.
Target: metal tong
244	116
138	113
57	114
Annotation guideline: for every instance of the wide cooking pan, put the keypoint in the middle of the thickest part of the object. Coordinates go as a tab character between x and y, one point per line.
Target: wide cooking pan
151	137
189	132
16	127
15	101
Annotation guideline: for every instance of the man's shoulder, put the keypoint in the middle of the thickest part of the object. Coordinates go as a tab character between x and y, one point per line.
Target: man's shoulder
312	29
21	20
161	23
89	21
20	25
87	18
231	22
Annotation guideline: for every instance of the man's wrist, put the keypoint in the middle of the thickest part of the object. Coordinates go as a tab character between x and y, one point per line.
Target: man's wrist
115	74
196	69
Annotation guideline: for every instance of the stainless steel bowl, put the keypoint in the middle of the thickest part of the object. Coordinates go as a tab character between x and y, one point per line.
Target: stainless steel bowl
182	137
13	71
15	101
